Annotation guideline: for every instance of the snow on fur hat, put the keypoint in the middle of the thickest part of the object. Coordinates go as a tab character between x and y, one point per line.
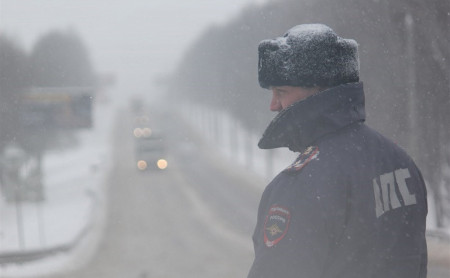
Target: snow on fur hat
308	55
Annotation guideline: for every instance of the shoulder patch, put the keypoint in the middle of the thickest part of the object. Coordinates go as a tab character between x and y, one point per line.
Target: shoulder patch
276	225
311	153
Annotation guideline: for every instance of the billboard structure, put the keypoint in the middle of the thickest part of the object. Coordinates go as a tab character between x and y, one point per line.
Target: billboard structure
58	107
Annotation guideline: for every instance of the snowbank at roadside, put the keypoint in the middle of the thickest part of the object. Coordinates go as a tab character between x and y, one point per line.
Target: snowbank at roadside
59	233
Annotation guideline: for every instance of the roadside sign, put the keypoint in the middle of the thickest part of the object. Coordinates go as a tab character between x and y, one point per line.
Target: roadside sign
61	108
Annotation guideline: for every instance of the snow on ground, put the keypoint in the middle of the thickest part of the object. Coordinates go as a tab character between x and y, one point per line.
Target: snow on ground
235	143
73	181
239	146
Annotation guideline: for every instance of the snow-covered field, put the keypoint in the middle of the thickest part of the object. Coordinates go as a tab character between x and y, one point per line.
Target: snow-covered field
69	223
73	181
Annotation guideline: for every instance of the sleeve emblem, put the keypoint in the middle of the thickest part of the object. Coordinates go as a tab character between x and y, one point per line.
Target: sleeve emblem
276	225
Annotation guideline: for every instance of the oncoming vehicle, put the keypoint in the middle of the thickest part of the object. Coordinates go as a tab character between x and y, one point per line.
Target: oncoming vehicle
150	150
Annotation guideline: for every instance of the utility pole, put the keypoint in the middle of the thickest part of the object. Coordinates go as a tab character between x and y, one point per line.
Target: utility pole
411	81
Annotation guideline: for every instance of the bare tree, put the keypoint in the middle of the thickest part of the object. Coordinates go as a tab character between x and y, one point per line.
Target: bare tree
13	79
405	67
61	59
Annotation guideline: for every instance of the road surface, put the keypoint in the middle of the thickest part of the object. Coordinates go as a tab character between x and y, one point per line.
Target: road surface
194	219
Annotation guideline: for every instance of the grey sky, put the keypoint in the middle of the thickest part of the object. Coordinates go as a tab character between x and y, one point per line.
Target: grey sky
135	39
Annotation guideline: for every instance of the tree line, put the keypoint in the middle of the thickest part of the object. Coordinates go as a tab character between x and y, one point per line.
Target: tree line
405	68
57	59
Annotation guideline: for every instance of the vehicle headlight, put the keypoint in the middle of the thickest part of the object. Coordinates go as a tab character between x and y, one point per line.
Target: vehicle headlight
162	164
142	165
137	132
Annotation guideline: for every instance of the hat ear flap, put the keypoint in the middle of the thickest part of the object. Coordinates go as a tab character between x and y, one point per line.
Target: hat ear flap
265	63
270	64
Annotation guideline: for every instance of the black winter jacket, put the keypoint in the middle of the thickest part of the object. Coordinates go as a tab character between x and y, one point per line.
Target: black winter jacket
353	204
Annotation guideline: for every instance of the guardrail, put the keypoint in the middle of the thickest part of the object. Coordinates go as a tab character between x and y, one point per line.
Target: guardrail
19	257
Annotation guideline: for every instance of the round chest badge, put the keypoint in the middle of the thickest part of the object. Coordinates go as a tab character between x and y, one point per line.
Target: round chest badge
276	225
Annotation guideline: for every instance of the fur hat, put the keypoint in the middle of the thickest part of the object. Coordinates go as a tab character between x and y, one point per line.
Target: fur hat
308	55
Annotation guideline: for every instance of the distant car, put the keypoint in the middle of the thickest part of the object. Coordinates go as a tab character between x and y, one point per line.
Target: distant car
150	149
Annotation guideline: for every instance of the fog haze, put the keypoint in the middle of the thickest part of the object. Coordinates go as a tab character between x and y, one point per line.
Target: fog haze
137	41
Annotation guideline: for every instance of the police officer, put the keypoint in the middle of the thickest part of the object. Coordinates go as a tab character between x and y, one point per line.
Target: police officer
353	204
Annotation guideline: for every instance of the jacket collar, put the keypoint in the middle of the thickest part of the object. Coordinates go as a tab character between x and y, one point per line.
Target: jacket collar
302	123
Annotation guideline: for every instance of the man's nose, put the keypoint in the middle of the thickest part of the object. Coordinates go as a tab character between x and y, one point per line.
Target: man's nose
275	104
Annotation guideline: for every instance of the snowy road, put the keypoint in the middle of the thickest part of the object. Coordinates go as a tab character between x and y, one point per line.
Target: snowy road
191	220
